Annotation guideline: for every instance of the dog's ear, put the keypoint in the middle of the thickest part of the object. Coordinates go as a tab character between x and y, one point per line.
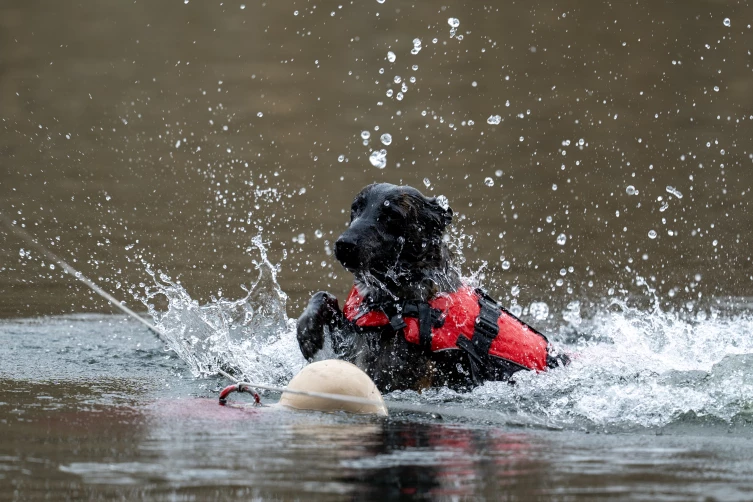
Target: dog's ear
439	210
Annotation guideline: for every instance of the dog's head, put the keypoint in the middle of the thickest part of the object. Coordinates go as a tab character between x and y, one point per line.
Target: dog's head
394	231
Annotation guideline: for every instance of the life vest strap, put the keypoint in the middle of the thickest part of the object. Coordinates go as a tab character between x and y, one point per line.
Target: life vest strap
427	316
486	328
424	325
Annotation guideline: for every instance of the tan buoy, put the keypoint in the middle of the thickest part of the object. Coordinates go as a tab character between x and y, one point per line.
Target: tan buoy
334	377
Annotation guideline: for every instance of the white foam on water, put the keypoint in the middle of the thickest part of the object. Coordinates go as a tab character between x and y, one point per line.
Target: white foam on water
634	368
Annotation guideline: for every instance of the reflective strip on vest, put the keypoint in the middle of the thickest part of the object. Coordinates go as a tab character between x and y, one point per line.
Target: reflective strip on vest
515	340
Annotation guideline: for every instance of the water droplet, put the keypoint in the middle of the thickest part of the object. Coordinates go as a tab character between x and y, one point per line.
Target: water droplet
652	234
318	234
441	200
365	134
561	239
630	190
390	92
505	265
674	191
397	79
341	158
427	182
489	182
498	173
391	57
386	139
380	1
515	290
416	46
260	114
399	96
453	22
494	119
414	67
177	144
727	22
301	238
378	159
539	310
243	6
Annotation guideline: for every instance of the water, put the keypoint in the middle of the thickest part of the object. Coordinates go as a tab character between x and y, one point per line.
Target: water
107	412
198	161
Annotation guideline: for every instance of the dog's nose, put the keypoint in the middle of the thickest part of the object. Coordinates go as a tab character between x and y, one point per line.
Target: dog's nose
346	252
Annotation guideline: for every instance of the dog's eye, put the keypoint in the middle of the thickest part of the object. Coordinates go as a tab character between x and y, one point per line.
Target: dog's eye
356	208
390	213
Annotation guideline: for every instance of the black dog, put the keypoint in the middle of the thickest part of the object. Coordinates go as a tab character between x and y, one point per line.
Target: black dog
406	323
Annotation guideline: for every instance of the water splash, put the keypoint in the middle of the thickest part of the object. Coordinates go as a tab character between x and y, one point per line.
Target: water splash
251	336
632	369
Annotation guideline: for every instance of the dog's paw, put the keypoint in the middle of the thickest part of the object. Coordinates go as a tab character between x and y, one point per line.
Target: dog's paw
322	311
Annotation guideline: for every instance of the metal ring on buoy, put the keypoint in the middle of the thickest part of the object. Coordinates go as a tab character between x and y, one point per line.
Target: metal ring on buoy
237	388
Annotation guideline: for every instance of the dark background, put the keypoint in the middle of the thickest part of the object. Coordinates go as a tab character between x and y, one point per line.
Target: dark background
95	95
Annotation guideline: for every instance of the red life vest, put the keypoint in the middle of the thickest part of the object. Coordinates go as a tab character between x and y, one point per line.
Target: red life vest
461	313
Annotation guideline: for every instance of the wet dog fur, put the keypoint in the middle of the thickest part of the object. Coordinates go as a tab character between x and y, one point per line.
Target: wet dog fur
396	250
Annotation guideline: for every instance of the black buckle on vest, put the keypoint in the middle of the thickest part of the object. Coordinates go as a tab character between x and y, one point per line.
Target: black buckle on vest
427	316
397	323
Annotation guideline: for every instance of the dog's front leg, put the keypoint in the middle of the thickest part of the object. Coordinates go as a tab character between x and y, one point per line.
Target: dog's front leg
322	311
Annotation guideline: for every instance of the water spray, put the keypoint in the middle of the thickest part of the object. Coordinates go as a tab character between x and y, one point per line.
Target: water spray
238	386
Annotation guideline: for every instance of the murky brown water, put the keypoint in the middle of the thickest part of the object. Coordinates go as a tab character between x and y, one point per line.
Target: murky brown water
170	133
94	97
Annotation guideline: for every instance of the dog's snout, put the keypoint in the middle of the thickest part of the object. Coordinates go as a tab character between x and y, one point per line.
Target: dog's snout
346	252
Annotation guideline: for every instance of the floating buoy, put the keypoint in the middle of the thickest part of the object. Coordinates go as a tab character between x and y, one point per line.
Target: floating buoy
334	377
